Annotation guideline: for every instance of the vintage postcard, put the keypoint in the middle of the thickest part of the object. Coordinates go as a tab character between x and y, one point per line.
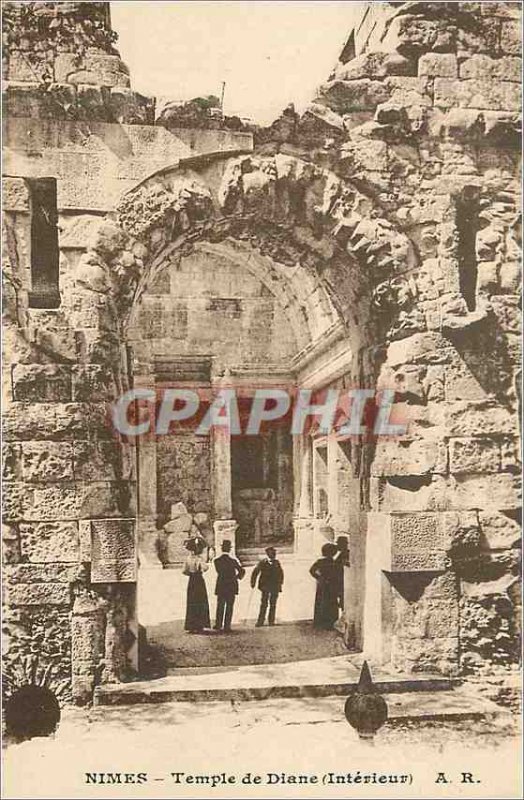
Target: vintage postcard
261	399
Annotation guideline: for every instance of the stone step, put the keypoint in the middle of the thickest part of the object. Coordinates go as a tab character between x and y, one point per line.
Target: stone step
316	678
249	556
457	703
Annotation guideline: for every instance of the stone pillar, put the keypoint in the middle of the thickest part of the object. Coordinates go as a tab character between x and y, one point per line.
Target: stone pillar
306	485
88	623
222	501
332	482
376	630
304	523
147	505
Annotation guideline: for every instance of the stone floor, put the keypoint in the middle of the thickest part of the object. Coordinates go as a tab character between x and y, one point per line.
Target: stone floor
309	737
172	647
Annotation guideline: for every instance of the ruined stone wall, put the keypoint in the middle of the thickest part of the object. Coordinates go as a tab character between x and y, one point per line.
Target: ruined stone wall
69	493
427	122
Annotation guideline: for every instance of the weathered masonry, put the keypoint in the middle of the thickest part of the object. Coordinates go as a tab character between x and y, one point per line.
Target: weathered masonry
373	241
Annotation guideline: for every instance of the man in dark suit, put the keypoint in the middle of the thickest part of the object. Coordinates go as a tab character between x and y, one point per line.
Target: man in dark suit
230	571
270	580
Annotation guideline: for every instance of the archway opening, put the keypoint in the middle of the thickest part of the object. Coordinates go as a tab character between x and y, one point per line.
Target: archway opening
226	315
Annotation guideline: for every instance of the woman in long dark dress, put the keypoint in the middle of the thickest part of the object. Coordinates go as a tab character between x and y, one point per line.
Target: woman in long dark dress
197	608
326	572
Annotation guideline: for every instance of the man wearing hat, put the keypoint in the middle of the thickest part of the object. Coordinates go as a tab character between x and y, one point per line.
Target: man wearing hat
270	580
229	572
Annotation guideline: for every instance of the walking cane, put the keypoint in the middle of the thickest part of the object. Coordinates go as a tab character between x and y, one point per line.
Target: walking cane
249	604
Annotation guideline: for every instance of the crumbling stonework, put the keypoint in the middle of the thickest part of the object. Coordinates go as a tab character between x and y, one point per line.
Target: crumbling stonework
388	218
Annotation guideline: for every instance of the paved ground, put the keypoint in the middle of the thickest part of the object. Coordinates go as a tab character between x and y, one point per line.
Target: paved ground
309	737
172	647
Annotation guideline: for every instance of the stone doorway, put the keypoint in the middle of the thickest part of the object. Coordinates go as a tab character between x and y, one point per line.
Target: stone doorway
262	489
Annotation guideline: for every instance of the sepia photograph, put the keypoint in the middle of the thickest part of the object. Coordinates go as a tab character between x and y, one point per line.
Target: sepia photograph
261	399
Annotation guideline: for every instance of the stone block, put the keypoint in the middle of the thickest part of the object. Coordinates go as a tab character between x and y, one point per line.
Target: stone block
79	420
15	497
10	544
42	542
65	64
474	455
417	561
87	634
347	96
407	542
93	382
92	103
175	550
498	530
438	65
47	461
179	525
41	573
11	461
411	493
100	77
501	491
412	35
406	92
23	100
57	501
478	94
511	38
426	618
421	348
38	594
506	10
105	62
72	501
374	65
409	457
487	276
38	383
24	421
84	539
417	531
58	101
90	309
76	231
96	460
477	418
19	68
130	108
510	455
481	66
178	510
113	549
464	383
510	275
430	655
461	531
507	311
56	340
15	195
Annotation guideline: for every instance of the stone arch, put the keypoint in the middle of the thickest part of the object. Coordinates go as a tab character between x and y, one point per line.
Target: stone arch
287	209
284	209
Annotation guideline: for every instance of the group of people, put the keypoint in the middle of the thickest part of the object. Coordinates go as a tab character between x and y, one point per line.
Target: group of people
268	574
